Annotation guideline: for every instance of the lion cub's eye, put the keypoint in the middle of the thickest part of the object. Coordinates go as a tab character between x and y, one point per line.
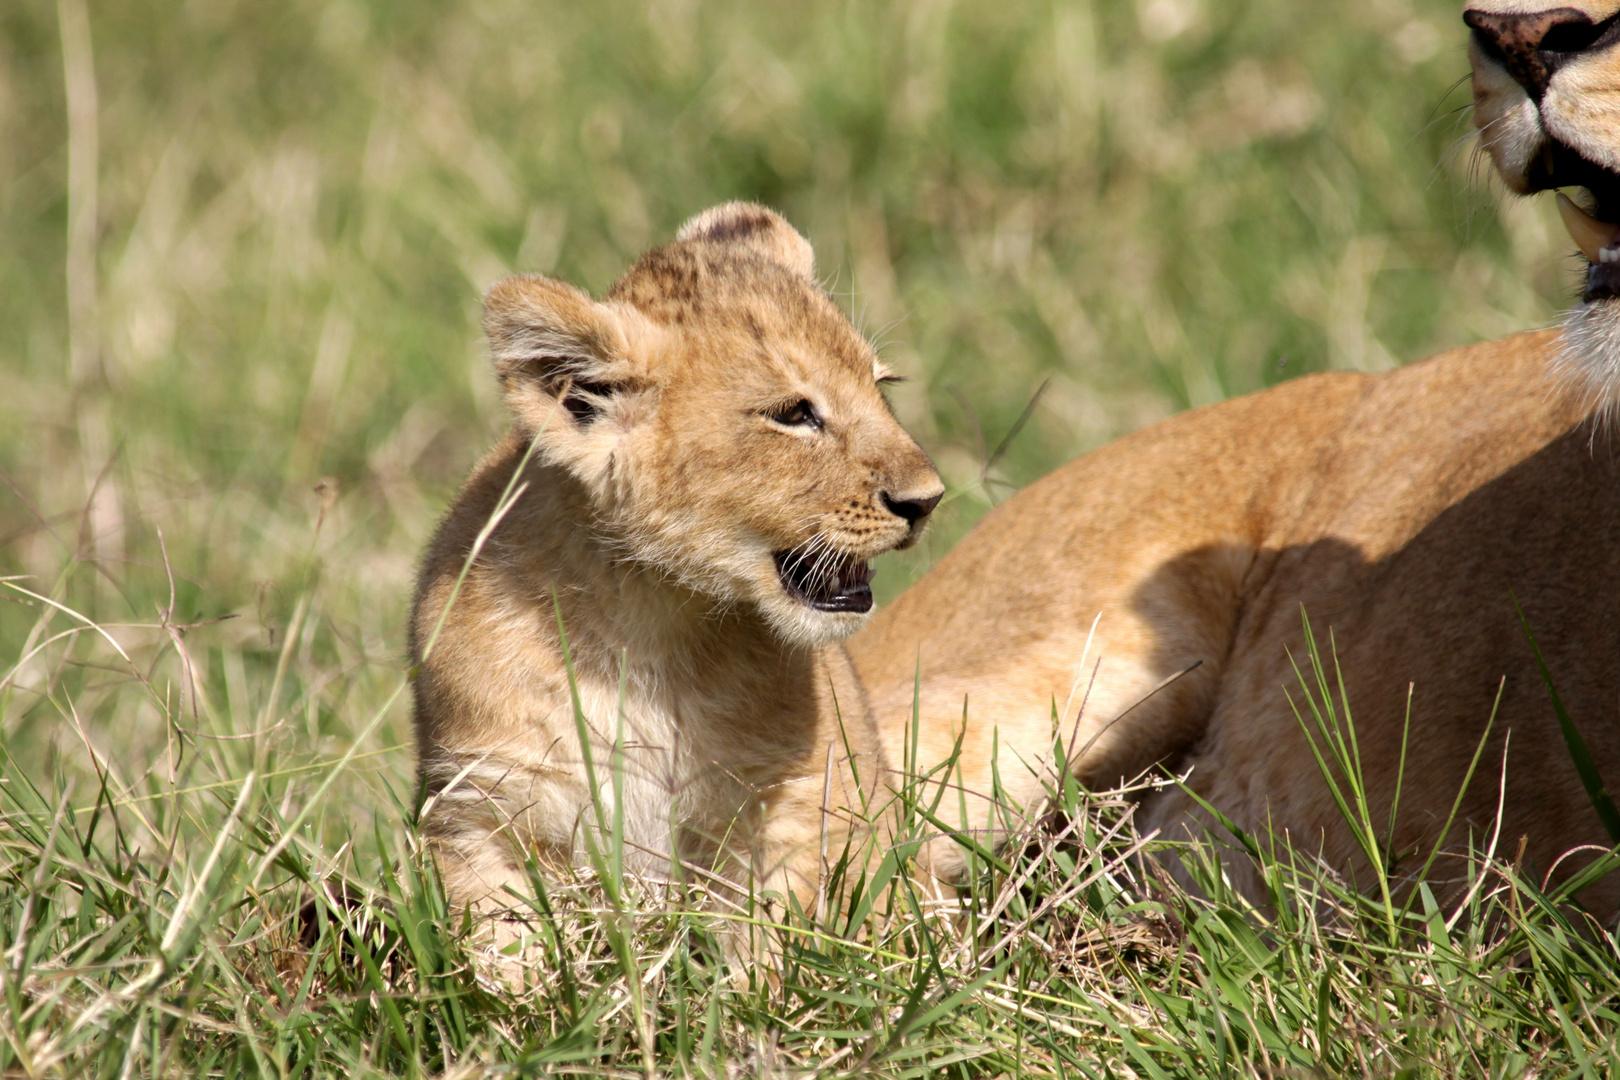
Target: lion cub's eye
799	414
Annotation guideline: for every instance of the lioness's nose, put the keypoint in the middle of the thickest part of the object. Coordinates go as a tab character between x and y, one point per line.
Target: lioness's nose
1532	44
912	507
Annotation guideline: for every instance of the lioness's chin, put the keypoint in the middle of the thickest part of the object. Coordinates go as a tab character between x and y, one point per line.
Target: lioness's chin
1589	356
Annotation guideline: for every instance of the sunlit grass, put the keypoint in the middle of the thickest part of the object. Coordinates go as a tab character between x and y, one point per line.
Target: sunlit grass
209	929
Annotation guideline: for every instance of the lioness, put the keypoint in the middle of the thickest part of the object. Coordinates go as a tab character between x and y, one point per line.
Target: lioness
1404	512
707	467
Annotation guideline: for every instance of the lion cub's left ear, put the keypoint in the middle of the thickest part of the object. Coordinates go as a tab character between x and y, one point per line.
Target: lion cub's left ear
755	229
566	367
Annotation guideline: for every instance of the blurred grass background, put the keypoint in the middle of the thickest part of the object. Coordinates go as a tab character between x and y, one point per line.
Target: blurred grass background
266	349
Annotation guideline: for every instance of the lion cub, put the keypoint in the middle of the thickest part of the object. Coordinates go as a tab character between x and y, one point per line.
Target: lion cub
708	466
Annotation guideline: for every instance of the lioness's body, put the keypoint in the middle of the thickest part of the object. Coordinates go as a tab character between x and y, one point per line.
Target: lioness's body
1403	511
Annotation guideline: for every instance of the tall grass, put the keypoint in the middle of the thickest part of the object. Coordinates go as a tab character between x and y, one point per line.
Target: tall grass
238	297
163	935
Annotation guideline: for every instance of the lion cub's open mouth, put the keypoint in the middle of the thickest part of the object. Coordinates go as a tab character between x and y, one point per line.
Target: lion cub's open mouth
826	580
1593	233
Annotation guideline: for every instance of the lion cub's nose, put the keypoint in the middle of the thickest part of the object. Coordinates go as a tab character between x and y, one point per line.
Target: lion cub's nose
912	508
1531	44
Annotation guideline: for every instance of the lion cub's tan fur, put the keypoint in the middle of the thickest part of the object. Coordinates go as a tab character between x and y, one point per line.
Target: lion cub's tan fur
718	706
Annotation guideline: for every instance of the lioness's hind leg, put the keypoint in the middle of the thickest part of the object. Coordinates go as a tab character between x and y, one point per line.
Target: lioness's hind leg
1194	846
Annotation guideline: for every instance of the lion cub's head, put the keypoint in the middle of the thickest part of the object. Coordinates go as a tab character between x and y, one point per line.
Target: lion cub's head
1547	105
724	418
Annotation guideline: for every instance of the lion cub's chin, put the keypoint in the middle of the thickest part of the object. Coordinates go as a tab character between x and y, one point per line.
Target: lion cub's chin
800	624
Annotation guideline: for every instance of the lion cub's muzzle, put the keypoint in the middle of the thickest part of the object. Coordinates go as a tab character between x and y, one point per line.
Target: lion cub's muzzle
913	508
818	574
826	580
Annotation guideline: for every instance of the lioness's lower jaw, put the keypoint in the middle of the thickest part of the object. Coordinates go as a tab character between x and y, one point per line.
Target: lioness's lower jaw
825	581
1603	279
1591	345
1590	352
1599	241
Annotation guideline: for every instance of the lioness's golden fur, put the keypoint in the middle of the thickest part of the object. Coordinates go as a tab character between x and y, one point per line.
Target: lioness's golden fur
672	459
1402	512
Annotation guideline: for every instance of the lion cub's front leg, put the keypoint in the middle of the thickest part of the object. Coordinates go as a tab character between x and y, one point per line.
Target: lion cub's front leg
486	819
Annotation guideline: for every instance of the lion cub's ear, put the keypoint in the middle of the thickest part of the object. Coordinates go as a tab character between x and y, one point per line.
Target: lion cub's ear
561	357
754	229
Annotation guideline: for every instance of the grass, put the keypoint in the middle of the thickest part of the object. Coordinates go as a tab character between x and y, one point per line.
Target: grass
162	936
238	298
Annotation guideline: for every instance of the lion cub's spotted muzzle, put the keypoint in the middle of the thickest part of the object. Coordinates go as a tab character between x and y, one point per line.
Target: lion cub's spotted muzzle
830	580
913	509
826	580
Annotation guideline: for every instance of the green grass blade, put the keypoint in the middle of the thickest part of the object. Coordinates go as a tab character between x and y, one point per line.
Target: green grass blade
1585	766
